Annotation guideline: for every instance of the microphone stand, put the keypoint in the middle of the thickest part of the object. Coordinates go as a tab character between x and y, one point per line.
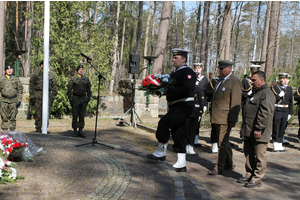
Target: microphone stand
94	140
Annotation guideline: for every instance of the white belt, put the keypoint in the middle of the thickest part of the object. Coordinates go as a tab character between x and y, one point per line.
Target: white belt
184	99
197	106
281	106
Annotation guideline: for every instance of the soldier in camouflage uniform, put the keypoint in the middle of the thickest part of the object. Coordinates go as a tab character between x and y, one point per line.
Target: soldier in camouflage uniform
10	99
36	94
79	93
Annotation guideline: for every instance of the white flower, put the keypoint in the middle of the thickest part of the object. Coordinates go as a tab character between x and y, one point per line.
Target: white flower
166	76
157	76
13	174
165	80
1	163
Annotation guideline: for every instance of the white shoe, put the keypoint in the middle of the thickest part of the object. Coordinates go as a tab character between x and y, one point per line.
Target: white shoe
190	149
278	147
161	150
180	165
214	147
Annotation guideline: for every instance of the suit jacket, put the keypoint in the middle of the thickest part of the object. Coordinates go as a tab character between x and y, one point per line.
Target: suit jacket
226	102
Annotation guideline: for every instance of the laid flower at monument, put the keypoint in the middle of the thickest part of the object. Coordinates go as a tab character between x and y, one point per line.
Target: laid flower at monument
156	84
9	147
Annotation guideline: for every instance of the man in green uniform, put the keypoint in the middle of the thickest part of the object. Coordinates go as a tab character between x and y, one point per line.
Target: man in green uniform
79	93
10	99
36	94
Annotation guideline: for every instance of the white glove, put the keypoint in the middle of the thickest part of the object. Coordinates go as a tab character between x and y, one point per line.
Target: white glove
289	117
249	93
199	119
281	94
204	109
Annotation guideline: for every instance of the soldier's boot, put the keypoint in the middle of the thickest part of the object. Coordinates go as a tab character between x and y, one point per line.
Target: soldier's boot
75	132
39	130
4	129
12	129
81	134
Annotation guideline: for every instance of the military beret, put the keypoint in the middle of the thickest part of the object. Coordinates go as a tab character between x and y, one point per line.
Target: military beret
198	65
79	66
225	63
41	63
8	67
257	62
283	75
181	52
254	67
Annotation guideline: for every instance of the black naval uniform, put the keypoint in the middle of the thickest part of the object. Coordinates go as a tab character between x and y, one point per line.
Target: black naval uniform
192	120
209	92
297	98
246	87
181	105
283	108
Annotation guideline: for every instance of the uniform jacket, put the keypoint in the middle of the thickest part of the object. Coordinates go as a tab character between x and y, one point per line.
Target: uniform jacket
258	114
36	85
226	101
79	88
185	84
209	91
202	82
297	96
199	103
287	99
11	89
246	87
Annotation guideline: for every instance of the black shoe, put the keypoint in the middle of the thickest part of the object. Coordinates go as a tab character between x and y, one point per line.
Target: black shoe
81	134
182	169
285	143
214	172
12	129
153	157
252	184
38	130
75	133
242	180
4	129
197	145
229	167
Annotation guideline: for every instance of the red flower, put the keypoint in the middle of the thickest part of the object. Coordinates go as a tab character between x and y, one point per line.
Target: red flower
145	82
16	145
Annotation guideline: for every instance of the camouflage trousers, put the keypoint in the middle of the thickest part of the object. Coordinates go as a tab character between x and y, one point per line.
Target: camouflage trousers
78	112
8	112
38	115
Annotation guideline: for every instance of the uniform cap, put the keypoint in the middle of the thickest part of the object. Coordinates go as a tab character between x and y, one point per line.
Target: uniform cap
197	65
8	67
254	67
181	52
283	75
256	62
227	63
79	66
289	76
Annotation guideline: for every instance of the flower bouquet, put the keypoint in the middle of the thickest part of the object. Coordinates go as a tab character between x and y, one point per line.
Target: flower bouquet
9	147
157	84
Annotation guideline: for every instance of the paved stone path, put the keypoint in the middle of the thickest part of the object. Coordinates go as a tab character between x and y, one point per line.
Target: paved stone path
65	171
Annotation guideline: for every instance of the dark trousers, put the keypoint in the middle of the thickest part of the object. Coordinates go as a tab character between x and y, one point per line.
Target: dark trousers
299	122
214	138
279	125
256	159
78	112
175	120
191	129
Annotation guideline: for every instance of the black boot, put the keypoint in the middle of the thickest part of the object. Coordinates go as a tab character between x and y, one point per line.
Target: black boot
39	130
4	129
81	133
75	132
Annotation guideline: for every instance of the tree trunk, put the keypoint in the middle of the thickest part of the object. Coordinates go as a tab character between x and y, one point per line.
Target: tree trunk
226	31
143	74
17	25
26	61
204	32
176	27
218	31
237	34
197	34
183	25
122	43
115	53
271	39
265	37
162	37
293	37
278	33
256	32
139	28
152	34
2	34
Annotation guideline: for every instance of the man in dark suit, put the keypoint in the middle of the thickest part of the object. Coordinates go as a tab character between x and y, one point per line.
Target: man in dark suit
226	104
181	105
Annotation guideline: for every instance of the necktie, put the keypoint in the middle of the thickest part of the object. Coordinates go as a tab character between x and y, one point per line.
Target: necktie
220	83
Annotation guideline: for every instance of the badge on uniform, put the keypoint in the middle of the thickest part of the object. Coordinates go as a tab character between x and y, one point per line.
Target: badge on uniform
189	76
252	99
223	89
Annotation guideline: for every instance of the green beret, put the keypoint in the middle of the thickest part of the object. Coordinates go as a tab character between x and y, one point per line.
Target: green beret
225	63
